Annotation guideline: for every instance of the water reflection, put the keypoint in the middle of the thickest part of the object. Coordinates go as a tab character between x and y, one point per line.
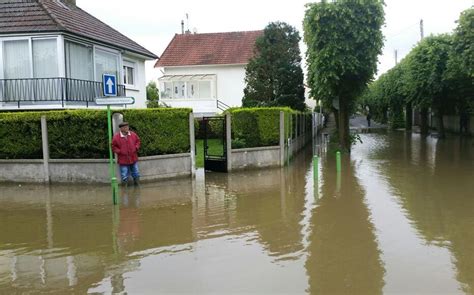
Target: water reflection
69	237
343	252
440	203
398	219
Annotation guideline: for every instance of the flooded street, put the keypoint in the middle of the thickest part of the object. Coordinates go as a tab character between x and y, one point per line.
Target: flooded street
399	219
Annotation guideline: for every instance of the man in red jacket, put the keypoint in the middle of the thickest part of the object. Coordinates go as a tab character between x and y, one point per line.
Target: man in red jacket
126	144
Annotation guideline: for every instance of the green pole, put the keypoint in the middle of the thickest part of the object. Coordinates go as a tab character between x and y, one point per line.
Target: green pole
338	161
113	179
315	168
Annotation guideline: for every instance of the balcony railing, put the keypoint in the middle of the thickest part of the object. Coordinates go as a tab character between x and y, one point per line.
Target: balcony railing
61	90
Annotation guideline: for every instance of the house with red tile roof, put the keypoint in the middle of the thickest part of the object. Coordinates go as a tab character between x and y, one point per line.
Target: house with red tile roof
53	55
206	71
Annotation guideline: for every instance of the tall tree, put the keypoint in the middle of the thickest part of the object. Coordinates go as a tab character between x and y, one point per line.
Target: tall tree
274	76
152	95
460	69
344	38
426	83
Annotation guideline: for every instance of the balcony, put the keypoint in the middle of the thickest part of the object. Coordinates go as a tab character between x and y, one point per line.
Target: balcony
22	92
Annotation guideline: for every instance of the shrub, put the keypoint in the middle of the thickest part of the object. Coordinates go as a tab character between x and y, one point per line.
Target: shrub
162	131
82	134
20	136
78	134
256	127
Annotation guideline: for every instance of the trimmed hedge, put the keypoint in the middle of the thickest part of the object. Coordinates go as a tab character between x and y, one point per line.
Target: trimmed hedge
82	134
20	136
162	130
257	127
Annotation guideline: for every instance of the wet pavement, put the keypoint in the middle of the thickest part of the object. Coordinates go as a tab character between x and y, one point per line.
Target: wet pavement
398	219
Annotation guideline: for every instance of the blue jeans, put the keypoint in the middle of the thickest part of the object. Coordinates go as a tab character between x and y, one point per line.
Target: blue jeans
125	170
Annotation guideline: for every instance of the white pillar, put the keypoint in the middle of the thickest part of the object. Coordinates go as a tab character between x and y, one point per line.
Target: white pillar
282	139
44	140
192	142
228	138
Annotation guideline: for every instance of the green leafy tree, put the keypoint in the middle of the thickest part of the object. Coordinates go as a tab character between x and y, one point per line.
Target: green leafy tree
152	95
460	71
274	76
344	39
427	86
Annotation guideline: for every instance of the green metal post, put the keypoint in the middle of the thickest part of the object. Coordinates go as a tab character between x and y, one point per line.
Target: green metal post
338	161
113	179
315	168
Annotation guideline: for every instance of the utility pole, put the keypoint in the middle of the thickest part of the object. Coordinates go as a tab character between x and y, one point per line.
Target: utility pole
422	34
396	57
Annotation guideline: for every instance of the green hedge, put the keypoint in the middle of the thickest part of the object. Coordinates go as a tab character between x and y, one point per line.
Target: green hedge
162	131
257	127
82	134
20	136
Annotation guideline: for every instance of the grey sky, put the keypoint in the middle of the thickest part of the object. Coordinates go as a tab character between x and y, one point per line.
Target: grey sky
154	23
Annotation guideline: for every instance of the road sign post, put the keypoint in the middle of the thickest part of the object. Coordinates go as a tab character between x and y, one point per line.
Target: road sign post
110	90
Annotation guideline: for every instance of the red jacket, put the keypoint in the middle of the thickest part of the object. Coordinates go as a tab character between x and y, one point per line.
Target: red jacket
126	147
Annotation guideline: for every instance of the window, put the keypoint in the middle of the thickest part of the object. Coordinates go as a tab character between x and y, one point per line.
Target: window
16	58
167	90
129	73
204	89
192	89
179	90
105	63
45	58
79	61
187	86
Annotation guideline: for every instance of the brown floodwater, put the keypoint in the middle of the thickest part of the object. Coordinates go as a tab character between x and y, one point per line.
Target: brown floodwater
398	219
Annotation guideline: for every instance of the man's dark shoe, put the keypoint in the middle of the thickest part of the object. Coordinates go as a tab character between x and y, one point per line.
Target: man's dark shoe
136	181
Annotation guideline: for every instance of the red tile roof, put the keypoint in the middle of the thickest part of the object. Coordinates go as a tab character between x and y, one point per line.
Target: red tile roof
30	16
209	49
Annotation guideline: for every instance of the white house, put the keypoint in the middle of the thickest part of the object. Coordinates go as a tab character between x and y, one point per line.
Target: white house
206	71
53	55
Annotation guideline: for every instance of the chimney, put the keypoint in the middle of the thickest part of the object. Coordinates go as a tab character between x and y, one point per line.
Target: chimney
69	2
182	27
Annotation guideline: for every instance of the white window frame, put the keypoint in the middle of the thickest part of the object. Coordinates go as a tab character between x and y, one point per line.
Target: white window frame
118	55
83	44
60	55
133	65
189	78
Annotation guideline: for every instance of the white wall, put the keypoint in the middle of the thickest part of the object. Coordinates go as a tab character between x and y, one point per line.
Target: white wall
139	90
229	86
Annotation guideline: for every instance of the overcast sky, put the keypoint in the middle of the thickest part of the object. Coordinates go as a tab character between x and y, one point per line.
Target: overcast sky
154	23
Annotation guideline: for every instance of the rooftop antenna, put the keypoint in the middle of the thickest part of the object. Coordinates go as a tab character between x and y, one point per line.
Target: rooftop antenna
187	20
182	27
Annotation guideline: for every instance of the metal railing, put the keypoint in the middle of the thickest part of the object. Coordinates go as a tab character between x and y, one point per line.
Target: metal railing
222	106
51	90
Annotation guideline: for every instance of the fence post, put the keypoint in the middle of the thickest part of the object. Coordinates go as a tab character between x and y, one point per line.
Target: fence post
228	138
45	144
282	139
192	142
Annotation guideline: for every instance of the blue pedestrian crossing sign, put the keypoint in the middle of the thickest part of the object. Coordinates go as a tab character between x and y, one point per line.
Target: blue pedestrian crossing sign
109	84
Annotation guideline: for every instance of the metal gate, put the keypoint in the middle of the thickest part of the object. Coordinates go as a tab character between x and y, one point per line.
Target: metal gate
215	145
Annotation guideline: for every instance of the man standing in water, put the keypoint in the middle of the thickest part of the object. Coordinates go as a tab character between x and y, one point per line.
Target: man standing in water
126	144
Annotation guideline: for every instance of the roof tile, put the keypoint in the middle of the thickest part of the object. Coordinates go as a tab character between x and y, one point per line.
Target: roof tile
209	49
24	16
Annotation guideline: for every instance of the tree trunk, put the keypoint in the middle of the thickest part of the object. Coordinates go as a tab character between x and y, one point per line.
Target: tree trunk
344	139
424	121
440	124
336	117
408	117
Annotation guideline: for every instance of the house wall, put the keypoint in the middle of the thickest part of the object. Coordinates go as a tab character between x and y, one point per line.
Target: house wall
139	90
229	87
